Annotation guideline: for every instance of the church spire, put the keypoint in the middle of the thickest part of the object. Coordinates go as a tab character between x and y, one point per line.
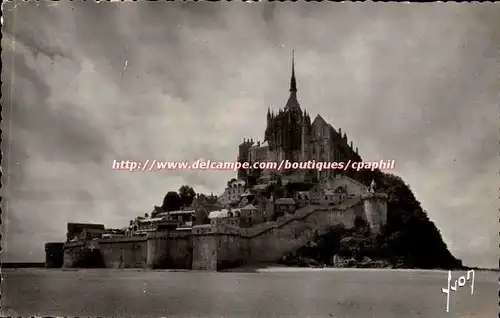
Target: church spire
292	102
293	82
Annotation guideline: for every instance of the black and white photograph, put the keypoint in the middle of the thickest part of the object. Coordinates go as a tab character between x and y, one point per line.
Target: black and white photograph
250	159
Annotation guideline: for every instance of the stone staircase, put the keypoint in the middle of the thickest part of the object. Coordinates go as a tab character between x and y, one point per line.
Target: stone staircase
269	241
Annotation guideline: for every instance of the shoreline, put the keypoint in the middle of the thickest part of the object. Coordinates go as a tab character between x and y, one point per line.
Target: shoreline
271	268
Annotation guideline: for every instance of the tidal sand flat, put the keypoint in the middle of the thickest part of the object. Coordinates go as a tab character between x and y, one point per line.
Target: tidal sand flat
271	292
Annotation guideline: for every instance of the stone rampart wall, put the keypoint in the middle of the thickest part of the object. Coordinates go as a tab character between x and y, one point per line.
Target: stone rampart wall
124	252
270	245
172	250
215	247
54	255
205	252
72	253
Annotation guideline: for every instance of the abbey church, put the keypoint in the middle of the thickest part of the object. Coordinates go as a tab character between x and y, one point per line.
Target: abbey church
290	135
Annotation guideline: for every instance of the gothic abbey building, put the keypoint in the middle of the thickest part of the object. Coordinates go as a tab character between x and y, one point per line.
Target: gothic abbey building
290	135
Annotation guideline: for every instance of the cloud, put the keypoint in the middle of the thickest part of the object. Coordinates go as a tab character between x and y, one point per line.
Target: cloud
87	83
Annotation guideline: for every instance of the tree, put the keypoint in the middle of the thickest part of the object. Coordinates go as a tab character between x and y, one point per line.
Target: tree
156	210
254	175
294	187
279	182
212	199
251	181
410	234
233	204
314	177
172	201
279	190
409	239
187	195
146	215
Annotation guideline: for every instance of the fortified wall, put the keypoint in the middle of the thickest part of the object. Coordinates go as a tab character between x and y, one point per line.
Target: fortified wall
216	247
130	252
157	250
375	210
54	255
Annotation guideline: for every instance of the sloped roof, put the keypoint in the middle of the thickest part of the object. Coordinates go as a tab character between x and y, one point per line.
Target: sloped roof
292	102
179	212
285	201
246	193
260	186
249	207
150	220
237	183
318	120
224	213
182	212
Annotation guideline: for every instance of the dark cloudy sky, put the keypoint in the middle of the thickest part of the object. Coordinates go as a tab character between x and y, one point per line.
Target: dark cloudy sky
87	83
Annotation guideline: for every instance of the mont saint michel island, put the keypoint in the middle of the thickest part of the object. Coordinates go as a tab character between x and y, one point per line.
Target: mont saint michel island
306	218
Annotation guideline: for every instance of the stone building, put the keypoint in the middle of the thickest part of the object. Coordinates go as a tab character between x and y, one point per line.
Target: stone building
75	231
252	214
162	221
291	135
226	217
184	217
232	192
284	206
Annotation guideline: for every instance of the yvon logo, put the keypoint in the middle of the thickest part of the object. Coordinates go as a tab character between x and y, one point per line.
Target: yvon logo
460	282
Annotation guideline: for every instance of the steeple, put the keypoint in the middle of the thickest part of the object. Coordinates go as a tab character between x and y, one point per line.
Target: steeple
293	82
292	102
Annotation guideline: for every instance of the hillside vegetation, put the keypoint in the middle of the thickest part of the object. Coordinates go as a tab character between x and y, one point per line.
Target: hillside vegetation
410	239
